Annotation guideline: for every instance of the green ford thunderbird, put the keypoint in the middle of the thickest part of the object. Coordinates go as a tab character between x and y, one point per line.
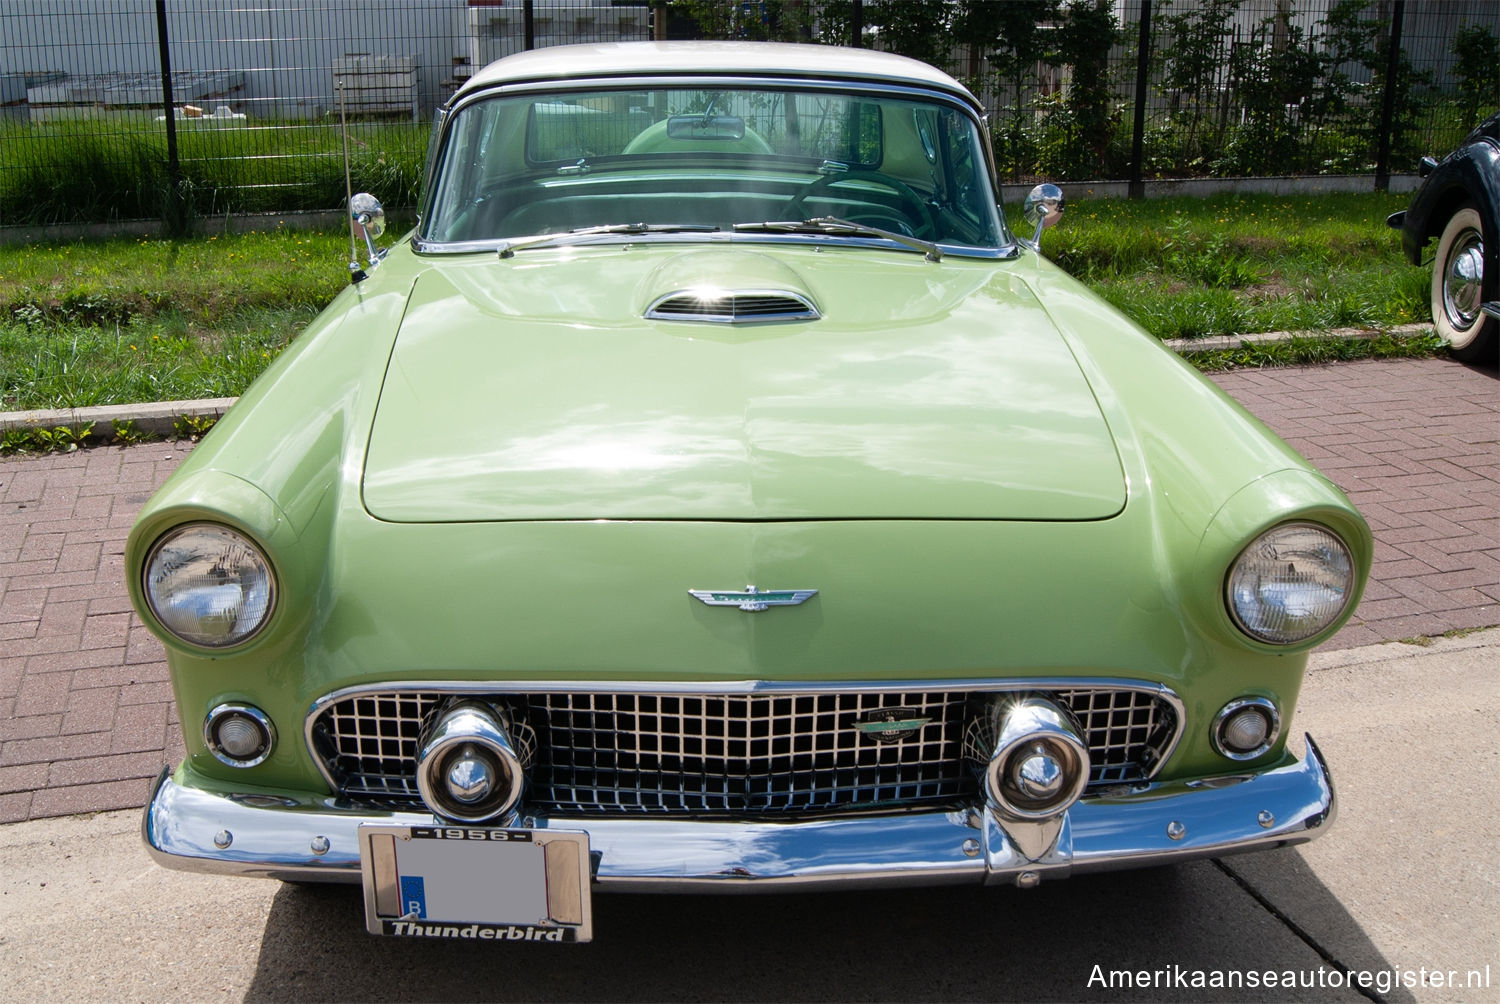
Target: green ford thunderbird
712	493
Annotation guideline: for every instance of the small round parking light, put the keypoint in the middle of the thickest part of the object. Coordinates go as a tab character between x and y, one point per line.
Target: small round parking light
239	735
1246	728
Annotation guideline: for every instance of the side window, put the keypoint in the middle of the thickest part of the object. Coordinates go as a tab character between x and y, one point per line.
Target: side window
461	171
962	167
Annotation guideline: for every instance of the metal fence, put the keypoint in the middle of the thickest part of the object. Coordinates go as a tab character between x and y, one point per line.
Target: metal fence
148	109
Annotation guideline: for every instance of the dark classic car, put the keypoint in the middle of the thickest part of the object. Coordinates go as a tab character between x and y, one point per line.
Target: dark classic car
1458	204
710	493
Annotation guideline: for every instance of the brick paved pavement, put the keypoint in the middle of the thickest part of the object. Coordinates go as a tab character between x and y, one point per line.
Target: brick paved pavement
86	718
1416	445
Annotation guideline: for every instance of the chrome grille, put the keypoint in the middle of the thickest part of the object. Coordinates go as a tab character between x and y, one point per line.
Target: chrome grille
754	753
733	754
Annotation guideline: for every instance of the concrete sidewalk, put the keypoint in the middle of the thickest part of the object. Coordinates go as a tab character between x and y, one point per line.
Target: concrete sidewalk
86	715
1402	888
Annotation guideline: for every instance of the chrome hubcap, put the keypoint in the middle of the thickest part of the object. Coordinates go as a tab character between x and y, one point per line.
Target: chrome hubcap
1462	285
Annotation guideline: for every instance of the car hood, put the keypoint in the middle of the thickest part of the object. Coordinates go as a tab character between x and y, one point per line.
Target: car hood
534	388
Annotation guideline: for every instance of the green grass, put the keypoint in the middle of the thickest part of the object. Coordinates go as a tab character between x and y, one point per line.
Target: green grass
1188	268
90	171
140	319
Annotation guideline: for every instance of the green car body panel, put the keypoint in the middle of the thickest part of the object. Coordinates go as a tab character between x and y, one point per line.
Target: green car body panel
503	473
1122	585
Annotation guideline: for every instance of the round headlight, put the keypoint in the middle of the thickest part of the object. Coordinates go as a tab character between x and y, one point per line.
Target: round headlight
1290	583
209	585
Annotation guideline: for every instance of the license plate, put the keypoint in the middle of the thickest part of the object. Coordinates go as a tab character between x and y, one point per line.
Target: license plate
476	883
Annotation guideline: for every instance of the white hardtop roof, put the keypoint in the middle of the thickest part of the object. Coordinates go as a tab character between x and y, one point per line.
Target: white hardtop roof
750	59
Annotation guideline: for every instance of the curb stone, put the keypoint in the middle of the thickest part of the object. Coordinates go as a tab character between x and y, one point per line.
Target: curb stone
157	418
1218	343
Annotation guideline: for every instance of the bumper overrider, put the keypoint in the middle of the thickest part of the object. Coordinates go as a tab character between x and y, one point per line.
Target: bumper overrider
315	838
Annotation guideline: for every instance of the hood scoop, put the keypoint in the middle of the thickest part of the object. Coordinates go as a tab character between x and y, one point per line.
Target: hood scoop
727	286
738	306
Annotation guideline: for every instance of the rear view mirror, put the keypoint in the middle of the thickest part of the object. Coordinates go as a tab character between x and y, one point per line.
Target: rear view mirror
726	127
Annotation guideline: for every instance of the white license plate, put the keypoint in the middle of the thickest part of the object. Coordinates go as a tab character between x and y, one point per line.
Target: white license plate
476	883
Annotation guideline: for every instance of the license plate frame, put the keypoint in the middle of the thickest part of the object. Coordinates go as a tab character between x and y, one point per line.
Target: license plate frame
476	883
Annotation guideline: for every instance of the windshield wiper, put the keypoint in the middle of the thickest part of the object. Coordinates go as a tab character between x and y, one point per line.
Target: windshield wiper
834	226
511	247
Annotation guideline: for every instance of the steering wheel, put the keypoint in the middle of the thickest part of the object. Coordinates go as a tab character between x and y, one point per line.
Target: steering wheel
911	202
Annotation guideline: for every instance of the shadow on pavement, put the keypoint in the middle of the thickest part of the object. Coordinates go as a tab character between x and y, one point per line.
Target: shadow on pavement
953	943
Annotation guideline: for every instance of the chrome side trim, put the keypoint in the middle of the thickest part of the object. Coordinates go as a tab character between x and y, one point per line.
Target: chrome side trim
779	687
194	829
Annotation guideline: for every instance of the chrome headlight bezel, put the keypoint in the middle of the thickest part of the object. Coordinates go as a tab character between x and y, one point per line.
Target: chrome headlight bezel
1263	706
251	556
1336	567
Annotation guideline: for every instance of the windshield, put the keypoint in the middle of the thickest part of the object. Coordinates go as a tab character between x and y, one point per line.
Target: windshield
696	159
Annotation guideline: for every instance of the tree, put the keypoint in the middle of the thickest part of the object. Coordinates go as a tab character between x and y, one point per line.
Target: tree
1090	113
1477	70
921	29
1193	56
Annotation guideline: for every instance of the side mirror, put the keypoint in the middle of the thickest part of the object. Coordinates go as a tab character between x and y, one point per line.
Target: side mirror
1043	208
367	215
367	220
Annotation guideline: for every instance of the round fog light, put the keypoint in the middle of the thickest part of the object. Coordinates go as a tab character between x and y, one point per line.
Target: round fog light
468	767
1246	728
239	735
1040	764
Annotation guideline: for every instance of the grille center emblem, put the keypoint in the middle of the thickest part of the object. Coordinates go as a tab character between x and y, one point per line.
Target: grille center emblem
752	599
889	725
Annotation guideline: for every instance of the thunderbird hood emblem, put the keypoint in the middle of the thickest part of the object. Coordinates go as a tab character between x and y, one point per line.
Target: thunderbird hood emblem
752	599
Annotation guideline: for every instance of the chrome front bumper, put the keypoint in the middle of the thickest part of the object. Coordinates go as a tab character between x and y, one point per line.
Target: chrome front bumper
313	839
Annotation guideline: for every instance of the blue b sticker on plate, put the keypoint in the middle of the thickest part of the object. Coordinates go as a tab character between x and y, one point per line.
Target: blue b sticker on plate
413	896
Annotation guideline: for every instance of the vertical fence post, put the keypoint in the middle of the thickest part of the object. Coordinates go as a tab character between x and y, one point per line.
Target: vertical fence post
1142	80
528	25
856	24
1388	100
174	215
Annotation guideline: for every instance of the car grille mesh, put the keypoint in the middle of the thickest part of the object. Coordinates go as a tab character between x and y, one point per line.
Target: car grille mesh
734	754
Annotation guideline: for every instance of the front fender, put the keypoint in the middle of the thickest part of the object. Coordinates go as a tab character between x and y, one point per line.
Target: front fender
1283	497
1469	174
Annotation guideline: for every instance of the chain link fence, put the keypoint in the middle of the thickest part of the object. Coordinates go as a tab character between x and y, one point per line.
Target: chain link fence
166	109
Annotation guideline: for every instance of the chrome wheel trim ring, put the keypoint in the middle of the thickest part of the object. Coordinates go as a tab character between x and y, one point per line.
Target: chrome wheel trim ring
1463	281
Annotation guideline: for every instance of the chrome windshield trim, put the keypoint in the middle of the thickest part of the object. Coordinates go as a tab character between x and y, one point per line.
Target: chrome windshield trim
1004	252
964	101
742	687
629	82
